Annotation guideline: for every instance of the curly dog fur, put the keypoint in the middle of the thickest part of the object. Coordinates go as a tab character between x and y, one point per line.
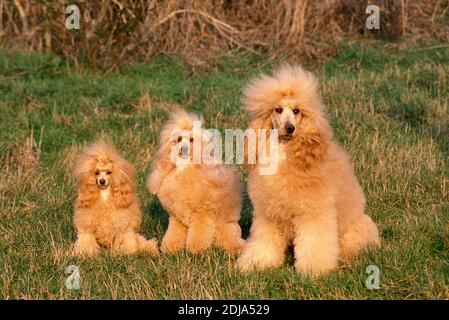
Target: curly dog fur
107	211
203	200
314	200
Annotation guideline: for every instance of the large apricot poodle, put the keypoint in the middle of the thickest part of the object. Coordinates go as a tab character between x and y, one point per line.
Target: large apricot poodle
313	200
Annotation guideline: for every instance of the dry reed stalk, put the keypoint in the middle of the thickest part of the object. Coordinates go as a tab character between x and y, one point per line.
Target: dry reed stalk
118	32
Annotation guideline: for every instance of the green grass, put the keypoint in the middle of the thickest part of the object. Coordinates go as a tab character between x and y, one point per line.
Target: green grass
388	109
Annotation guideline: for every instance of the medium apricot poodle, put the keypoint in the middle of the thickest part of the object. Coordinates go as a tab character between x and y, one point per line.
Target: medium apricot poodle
203	200
314	200
106	211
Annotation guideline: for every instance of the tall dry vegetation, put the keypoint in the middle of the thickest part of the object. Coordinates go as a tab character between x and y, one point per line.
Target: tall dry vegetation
116	32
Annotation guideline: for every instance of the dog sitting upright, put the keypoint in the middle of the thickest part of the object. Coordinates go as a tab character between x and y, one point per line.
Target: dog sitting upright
106	211
314	200
203	200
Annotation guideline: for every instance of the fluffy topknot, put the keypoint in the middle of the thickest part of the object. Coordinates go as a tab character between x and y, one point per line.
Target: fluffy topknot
179	120
264	91
105	152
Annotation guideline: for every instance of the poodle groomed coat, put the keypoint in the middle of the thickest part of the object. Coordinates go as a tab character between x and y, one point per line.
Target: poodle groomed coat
313	200
203	200
106	211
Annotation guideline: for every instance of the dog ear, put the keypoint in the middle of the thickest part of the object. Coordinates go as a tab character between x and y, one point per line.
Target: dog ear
252	144
123	195
263	122
123	184
87	191
161	166
311	143
309	151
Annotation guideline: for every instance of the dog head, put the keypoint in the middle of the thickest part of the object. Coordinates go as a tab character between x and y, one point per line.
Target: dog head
289	102
101	167
181	136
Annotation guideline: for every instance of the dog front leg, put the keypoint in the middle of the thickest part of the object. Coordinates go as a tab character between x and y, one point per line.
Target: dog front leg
265	246
86	245
229	237
316	244
175	237
200	234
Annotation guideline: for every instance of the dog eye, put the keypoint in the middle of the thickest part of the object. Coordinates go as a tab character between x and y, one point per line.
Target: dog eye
179	139
97	173
109	172
278	110
191	139
296	111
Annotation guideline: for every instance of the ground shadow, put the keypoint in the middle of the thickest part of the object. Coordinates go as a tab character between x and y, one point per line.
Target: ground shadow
246	215
155	210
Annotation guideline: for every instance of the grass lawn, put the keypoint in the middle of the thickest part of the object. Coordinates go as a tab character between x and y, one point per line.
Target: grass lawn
388	108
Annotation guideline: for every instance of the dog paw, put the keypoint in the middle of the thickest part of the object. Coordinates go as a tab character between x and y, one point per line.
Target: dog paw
234	248
248	263
197	246
151	247
171	246
245	264
259	258
87	251
315	269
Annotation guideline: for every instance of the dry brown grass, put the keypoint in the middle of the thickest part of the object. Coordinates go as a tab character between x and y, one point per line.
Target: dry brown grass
26	155
114	33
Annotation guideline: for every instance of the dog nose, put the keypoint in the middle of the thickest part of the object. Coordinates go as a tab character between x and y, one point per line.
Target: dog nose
289	128
102	181
185	150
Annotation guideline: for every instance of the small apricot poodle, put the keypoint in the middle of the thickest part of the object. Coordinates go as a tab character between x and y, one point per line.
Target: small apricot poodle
313	200
107	212
203	200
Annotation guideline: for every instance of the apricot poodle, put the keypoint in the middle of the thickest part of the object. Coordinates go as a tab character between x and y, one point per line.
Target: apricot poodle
203	200
313	200
107	212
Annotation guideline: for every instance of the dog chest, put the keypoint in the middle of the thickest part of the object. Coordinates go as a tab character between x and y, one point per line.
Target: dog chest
105	194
